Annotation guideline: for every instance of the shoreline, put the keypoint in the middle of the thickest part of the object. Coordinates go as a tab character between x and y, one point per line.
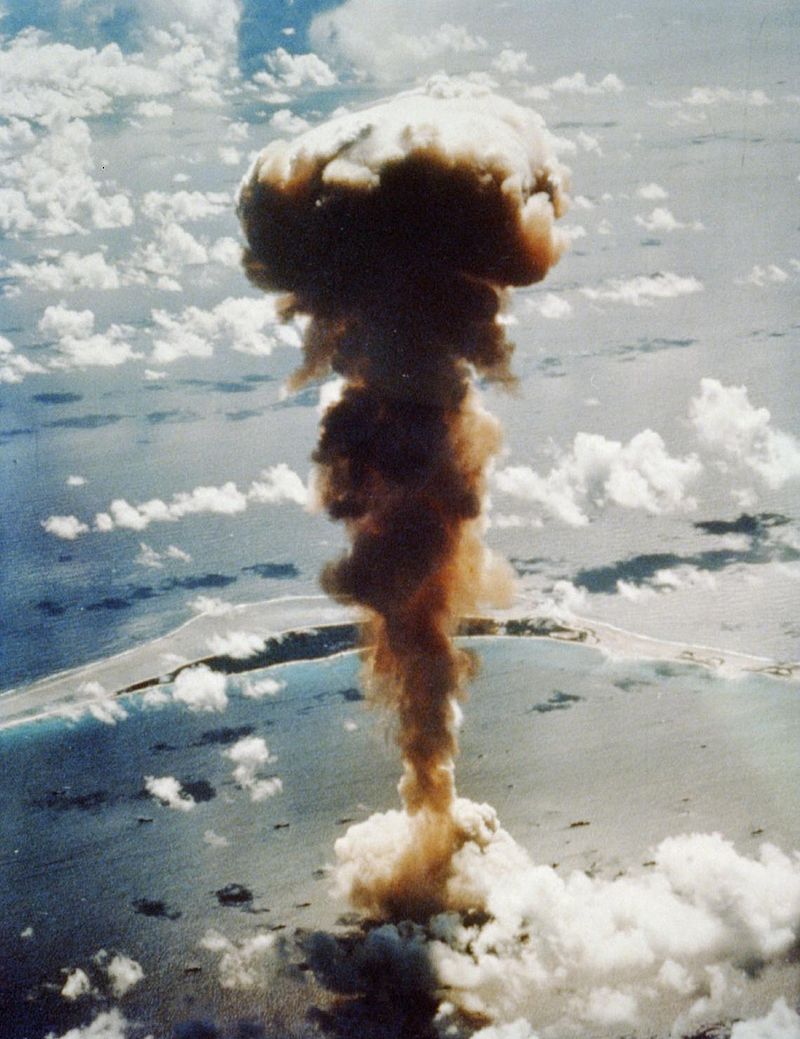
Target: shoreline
319	628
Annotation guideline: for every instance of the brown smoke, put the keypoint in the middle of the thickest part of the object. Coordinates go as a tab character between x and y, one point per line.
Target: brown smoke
400	243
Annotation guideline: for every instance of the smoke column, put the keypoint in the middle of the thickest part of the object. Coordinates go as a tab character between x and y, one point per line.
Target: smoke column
398	230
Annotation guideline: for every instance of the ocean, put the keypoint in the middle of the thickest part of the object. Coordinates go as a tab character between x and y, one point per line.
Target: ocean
91	861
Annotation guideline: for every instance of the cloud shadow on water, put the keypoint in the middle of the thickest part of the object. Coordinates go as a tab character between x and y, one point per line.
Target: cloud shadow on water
641	569
57	398
381	979
243	415
172	417
223	736
279	571
195	581
84	422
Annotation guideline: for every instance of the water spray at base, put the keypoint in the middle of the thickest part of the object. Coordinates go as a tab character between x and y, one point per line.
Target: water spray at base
398	230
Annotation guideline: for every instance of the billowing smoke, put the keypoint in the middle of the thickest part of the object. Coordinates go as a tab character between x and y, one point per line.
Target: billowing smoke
398	230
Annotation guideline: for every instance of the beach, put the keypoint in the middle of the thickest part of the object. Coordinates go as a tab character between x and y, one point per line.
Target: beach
333	629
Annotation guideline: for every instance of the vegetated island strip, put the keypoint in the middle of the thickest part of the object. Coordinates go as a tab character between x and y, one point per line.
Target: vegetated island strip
329	639
49	697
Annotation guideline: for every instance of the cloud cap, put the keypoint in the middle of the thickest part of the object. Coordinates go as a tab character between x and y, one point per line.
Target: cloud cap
445	180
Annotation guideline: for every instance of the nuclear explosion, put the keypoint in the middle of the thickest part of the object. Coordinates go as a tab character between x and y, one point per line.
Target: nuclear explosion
399	230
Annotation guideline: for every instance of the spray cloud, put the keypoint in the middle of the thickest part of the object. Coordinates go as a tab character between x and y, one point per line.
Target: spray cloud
398	230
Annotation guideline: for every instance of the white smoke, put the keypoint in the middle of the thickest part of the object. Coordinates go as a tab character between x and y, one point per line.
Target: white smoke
697	937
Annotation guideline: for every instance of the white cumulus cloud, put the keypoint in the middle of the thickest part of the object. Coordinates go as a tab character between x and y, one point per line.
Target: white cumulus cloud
66	527
66	272
150	557
210	605
109	1024
277	484
292	71
102	705
662	219
250	755
727	422
180	206
597	472
50	189
239	645
77	345
284	121
388	41
643	289
200	689
165	256
225	500
246	324
15	366
760	276
510	62
123	974
169	792
652	192
261	687
551	306
76	985
705	96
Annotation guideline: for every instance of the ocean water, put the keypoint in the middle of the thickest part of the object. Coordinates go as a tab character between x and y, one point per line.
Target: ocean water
91	861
